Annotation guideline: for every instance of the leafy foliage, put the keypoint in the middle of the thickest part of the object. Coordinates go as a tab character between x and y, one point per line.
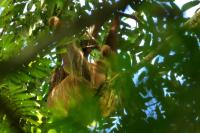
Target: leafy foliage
155	71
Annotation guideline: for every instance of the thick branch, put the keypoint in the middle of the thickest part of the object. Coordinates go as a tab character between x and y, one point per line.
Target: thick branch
48	40
132	16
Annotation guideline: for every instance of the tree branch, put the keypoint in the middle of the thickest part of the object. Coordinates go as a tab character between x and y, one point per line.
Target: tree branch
132	16
49	40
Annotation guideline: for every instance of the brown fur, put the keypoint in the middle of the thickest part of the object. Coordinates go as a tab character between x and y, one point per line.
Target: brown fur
83	76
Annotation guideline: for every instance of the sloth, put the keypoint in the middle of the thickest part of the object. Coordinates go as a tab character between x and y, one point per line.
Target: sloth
82	80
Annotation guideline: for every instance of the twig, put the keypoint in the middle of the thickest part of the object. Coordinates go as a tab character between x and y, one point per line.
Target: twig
129	16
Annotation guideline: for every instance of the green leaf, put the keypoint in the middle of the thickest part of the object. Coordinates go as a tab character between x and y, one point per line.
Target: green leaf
24	96
4	3
29	103
189	5
18	90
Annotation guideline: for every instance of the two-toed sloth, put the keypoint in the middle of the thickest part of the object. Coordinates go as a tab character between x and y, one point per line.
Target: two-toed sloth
84	80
